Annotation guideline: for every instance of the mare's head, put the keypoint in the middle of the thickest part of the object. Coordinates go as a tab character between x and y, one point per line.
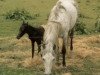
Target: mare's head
22	30
48	56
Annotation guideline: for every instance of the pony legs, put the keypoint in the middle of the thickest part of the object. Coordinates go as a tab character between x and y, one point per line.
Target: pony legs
71	38
32	48
64	48
63	55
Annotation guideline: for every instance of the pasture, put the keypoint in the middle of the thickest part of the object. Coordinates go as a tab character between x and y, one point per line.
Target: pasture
15	55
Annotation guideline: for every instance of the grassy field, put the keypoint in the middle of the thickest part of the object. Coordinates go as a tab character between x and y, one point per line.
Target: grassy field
15	55
90	10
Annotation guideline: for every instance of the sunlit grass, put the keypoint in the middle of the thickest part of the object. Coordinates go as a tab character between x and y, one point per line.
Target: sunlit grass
15	58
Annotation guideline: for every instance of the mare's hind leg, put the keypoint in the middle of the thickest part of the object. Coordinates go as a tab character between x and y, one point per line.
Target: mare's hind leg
64	48
71	38
71	34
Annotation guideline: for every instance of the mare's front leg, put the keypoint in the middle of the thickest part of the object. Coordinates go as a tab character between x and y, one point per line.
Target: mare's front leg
63	55
64	48
32	41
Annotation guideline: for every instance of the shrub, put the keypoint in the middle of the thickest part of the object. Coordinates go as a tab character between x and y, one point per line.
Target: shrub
97	25
80	28
1	0
88	1
20	15
81	15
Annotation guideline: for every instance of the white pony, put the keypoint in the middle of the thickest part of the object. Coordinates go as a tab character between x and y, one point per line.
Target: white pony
62	19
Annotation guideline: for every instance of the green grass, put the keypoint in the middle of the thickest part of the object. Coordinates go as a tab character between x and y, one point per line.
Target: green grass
13	54
90	9
19	71
89	68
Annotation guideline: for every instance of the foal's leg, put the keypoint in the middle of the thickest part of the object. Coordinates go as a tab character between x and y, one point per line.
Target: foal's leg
32	48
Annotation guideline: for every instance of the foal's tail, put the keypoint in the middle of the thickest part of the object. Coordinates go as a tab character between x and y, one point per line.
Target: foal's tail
71	34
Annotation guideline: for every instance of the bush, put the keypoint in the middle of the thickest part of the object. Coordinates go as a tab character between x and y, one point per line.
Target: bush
20	15
80	28
88	1
81	15
1	0
97	25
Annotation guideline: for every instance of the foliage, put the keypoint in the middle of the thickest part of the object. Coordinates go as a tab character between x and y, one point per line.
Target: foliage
80	15
1	0
80	28
97	25
20	15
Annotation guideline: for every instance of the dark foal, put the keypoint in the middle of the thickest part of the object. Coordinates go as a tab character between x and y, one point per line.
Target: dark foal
35	35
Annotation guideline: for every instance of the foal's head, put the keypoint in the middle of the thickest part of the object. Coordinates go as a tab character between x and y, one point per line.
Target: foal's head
22	30
48	56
